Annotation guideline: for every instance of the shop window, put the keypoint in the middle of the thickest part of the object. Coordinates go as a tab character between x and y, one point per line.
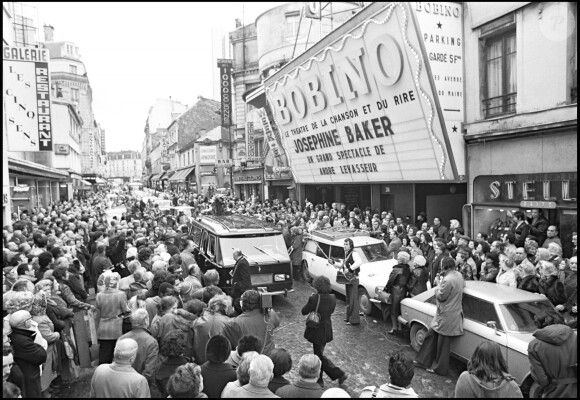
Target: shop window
568	224
492	221
500	70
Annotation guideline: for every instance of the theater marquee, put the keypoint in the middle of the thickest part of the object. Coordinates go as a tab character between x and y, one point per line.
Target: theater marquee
362	108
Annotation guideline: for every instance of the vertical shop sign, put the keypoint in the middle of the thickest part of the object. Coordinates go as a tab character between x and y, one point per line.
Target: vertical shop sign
225	66
441	25
269	133
26	82
250	145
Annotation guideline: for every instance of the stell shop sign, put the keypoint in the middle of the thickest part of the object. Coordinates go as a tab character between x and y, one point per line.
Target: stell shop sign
362	106
26	85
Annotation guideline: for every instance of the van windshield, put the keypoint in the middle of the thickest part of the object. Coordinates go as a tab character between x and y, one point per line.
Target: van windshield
257	249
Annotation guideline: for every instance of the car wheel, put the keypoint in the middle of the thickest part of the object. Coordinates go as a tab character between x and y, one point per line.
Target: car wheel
306	272
418	333
364	301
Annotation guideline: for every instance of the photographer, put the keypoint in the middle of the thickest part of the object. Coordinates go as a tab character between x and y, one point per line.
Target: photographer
253	321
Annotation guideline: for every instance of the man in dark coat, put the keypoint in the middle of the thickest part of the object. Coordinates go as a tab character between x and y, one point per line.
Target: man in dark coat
29	356
441	231
241	280
539	225
447	323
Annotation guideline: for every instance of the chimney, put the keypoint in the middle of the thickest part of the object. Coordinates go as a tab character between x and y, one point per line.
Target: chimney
48	33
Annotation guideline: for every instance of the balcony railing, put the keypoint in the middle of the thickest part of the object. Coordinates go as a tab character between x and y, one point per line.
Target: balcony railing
499	105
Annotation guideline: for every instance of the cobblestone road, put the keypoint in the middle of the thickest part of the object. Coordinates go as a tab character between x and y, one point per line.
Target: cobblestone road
362	351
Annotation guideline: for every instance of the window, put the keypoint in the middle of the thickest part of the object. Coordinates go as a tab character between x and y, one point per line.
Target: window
74	94
337	252
311	247
480	311
500	75
322	250
73	69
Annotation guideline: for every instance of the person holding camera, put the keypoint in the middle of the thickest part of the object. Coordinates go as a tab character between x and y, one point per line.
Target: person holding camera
323	302
252	321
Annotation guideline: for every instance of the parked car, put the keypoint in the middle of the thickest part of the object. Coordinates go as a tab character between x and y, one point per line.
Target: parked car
493	312
326	245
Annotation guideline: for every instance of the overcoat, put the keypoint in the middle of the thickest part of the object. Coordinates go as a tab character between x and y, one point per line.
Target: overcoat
109	305
322	334
448	320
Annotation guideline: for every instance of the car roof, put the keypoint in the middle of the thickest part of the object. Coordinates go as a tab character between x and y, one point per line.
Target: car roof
501	294
336	236
235	225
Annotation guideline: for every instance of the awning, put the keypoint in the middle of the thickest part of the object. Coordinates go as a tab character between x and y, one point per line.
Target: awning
86	183
37	170
167	175
248	183
181	175
100	181
155	177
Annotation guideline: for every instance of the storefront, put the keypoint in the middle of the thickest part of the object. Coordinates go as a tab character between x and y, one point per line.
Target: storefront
497	197
249	183
33	185
360	120
180	179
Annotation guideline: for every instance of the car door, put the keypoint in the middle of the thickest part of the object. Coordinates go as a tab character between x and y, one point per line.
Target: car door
477	313
319	266
337	254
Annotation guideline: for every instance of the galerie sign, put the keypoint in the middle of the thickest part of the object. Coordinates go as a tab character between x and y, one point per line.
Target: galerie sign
363	108
26	82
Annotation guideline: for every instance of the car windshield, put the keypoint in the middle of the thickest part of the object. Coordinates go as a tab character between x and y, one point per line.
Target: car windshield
255	248
519	317
374	252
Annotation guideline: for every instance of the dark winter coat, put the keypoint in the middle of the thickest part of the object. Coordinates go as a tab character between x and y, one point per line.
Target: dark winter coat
553	289
529	283
241	280
418	281
29	356
322	334
553	361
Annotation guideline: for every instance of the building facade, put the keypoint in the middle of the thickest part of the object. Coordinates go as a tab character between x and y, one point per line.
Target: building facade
521	116
125	164
33	179
71	83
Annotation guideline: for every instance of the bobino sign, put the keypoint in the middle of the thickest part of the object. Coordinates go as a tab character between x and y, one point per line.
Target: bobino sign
362	108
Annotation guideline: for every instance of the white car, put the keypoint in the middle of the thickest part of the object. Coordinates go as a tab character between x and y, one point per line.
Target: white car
323	255
491	312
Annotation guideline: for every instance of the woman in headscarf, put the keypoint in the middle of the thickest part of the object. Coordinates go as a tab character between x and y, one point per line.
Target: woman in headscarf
111	304
61	275
550	286
50	368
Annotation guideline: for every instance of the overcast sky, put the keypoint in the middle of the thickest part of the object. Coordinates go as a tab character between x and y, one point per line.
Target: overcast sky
135	53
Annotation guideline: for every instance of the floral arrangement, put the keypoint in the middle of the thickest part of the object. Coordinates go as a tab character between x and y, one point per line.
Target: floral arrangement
218	205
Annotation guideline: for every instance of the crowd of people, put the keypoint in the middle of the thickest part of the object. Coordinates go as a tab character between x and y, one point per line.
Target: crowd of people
164	326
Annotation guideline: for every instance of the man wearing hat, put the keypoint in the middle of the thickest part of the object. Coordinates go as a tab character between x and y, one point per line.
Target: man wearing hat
29	356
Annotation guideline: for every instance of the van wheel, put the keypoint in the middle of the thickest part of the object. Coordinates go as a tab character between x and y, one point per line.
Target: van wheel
418	333
364	301
306	272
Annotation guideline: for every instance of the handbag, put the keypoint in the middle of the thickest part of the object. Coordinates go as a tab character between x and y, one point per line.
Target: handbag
313	318
384	297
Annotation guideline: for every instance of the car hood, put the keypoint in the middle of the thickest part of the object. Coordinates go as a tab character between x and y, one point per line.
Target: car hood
520	341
